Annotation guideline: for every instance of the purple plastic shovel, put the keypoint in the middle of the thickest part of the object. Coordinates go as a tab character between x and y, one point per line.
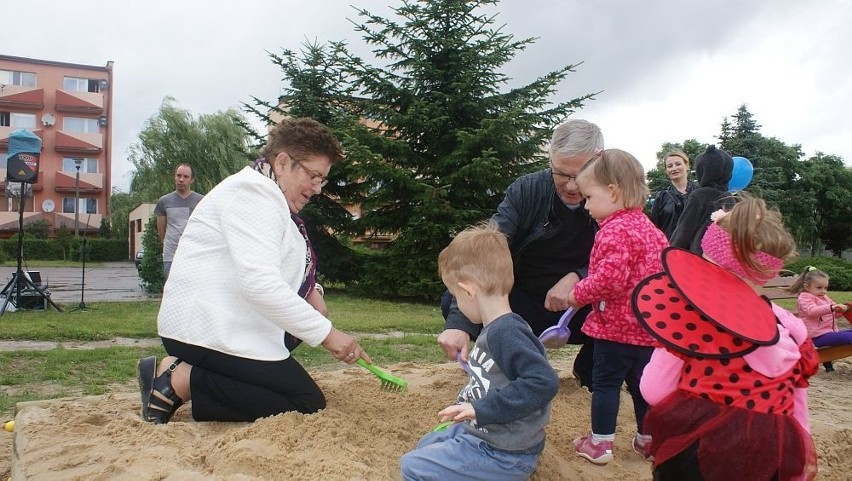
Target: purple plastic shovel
556	336
463	363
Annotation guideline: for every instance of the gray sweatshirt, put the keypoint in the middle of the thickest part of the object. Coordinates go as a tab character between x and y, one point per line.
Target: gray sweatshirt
511	386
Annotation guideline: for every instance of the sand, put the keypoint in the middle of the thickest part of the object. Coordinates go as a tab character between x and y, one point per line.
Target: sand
359	436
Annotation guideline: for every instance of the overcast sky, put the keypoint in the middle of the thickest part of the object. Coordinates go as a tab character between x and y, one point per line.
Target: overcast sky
669	70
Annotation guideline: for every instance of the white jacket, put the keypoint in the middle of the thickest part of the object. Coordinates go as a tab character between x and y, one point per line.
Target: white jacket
233	286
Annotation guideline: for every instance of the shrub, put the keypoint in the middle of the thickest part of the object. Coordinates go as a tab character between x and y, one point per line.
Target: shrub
151	270
838	270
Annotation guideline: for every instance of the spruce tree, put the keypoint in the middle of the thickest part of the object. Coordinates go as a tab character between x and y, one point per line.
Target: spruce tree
434	130
454	134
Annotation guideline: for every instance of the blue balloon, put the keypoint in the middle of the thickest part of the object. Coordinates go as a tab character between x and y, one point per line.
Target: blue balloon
741	176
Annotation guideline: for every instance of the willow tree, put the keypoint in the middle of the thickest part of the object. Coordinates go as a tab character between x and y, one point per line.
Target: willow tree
215	145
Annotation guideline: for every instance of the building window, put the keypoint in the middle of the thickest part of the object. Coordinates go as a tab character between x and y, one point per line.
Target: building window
17	120
77	84
81	125
87	205
88	166
12	77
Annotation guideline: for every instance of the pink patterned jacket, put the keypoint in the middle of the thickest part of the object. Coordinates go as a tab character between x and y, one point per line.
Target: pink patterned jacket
627	249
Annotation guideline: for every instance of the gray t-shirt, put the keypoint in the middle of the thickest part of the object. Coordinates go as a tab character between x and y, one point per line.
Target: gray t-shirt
177	211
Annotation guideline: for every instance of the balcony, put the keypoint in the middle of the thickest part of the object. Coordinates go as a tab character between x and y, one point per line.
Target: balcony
4	137
17	97
87	223
38	186
78	143
89	183
87	103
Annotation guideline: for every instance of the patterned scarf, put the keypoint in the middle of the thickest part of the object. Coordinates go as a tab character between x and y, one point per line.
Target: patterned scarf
262	166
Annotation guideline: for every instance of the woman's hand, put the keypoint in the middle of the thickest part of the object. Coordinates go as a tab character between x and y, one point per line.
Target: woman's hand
344	347
316	300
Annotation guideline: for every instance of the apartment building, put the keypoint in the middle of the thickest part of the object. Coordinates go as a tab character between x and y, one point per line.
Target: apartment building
68	106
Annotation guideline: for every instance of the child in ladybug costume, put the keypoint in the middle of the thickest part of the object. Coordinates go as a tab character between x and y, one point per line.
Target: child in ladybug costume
728	382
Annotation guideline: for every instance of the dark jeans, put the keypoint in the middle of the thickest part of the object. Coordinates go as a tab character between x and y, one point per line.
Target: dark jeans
531	308
616	363
231	388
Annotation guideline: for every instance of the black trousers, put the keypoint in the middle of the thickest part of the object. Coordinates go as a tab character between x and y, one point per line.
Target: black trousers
531	308
232	388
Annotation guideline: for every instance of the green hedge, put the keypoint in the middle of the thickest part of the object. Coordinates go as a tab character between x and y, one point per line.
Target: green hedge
99	250
839	271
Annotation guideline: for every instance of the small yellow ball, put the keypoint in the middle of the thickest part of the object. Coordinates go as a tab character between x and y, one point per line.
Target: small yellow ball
9	426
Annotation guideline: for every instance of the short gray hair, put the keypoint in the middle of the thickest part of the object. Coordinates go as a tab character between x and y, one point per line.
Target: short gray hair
575	137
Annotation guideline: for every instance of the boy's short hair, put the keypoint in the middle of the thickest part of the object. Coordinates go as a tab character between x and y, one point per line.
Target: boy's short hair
479	254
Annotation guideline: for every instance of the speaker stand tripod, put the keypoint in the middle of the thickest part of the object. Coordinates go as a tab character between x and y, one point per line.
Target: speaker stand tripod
20	281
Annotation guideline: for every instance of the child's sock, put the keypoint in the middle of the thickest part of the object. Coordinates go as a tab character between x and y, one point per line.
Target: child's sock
598	438
643	438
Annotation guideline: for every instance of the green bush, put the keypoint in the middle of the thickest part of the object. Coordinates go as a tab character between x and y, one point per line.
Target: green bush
99	250
839	271
151	270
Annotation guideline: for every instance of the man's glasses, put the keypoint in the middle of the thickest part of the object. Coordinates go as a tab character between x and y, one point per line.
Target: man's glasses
568	177
562	176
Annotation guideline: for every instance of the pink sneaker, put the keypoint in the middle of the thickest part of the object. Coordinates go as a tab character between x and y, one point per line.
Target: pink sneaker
599	454
644	449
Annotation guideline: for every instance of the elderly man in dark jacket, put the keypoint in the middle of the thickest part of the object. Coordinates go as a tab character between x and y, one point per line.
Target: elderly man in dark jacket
550	235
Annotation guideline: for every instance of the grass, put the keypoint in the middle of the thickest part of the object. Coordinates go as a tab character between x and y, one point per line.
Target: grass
390	332
55	263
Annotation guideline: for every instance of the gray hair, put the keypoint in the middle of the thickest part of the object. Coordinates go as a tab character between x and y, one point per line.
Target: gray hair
575	137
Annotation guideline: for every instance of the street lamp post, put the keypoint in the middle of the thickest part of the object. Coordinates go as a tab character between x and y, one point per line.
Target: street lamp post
77	164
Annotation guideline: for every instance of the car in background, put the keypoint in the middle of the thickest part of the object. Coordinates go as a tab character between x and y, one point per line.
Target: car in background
138	260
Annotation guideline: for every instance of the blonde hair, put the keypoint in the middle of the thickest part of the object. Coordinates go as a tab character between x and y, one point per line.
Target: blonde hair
479	254
676	153
619	168
809	273
755	228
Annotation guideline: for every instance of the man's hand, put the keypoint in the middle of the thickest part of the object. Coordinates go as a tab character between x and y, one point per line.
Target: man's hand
557	296
453	341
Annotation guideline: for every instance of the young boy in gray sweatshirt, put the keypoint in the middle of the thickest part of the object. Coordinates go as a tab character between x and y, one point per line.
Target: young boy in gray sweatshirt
500	415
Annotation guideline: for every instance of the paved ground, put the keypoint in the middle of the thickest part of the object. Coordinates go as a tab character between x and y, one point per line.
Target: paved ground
112	281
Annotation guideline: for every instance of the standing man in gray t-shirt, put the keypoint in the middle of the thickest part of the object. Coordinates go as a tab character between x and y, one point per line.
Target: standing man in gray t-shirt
172	211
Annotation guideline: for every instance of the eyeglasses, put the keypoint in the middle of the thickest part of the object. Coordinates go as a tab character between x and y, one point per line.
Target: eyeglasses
316	177
568	177
562	175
